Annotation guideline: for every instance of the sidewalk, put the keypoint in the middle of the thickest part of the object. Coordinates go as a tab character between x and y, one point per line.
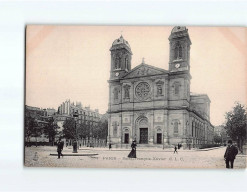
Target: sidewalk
143	149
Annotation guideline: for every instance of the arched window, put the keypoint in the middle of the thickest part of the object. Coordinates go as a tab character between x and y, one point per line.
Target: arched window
115	127
178	52
193	126
117	63
126	64
176	88
115	92
126	91
175	127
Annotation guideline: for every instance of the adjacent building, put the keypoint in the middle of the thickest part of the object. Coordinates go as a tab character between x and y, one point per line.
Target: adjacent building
221	131
69	109
155	106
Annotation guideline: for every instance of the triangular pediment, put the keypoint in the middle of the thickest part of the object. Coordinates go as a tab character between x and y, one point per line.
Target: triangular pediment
144	70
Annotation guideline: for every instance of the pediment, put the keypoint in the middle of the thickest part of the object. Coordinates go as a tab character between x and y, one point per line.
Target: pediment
144	70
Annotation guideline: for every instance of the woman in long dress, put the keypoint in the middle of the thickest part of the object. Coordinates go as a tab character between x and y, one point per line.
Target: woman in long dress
132	154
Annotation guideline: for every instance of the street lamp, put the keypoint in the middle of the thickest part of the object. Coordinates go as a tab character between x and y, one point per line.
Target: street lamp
75	115
163	141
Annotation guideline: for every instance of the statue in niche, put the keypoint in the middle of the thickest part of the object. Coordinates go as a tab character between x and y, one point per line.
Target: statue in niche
126	91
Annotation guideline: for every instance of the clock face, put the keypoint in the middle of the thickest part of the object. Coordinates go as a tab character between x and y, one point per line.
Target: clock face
117	74
177	65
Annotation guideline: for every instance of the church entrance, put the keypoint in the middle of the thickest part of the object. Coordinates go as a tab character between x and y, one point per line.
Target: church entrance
143	135
126	138
159	138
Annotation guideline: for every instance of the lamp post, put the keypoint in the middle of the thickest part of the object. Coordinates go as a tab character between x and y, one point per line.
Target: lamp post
163	140
75	115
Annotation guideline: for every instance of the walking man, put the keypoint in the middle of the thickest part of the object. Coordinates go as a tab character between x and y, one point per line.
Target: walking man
230	154
175	150
59	148
109	146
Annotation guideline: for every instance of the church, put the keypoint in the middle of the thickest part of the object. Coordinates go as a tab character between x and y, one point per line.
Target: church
155	106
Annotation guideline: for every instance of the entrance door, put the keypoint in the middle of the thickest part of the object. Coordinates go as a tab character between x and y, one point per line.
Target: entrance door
126	138
143	135
159	138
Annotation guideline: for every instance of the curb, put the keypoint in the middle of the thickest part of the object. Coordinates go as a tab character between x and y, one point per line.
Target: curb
206	149
75	154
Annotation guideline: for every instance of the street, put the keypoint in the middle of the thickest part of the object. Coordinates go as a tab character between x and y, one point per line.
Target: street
146	158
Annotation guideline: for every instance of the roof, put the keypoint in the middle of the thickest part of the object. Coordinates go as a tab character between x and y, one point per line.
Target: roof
121	43
120	40
195	95
144	70
178	29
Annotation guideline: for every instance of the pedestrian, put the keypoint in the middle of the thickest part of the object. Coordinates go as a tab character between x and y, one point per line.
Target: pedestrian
109	146
230	154
59	148
175	150
132	154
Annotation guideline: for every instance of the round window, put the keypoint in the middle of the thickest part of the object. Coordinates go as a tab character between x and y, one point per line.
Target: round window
143	90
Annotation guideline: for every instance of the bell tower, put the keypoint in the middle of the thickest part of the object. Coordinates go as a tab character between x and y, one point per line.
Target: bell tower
120	58
179	49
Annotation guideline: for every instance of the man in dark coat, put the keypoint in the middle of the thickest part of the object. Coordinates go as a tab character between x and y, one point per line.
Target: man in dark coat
230	154
59	148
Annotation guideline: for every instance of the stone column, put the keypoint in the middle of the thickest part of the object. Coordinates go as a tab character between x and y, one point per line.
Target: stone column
151	129
165	130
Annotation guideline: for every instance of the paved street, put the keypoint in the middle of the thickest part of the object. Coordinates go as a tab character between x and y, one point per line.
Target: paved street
154	158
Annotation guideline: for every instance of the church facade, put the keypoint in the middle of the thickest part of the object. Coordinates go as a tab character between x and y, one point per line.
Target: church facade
155	106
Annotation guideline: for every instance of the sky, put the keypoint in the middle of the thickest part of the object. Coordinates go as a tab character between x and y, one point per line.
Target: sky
73	62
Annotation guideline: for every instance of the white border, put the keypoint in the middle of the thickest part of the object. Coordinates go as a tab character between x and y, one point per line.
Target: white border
14	15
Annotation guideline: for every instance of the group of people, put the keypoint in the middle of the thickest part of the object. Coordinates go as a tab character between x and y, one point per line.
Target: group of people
229	156
176	148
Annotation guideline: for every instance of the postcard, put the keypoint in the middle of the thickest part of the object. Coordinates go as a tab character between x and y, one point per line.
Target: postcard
135	97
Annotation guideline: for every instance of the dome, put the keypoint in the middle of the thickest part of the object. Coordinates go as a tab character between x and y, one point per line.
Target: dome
119	41
178	29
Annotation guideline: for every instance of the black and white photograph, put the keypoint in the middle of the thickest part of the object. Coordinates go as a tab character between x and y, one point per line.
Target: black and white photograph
135	97
123	96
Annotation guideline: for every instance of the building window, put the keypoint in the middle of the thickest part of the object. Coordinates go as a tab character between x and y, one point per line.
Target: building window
117	63
126	64
159	85
115	94
126	91
176	127
193	126
178	52
159	90
115	127
176	88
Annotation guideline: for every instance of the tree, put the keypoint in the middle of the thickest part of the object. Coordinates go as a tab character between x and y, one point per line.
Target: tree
217	138
83	130
29	123
101	130
69	129
50	129
32	128
236	124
